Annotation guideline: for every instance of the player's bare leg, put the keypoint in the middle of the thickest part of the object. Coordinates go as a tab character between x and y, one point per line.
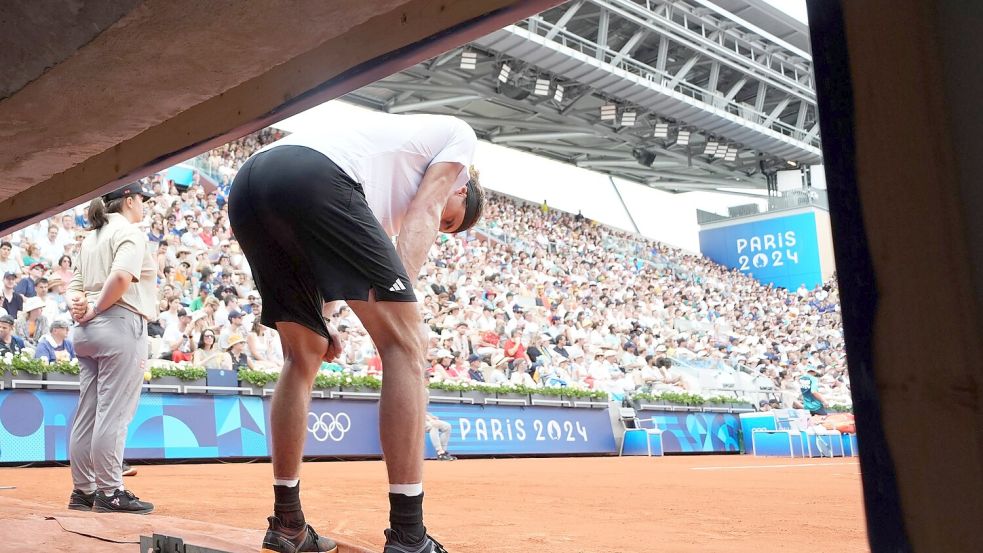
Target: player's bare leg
395	327
303	350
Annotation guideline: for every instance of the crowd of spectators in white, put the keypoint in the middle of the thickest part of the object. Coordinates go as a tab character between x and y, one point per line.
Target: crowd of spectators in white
532	296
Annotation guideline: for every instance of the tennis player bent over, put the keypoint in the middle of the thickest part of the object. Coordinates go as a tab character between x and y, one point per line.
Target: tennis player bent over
314	214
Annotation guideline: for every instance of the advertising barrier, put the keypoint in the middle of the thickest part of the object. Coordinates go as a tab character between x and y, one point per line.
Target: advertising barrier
502	430
35	426
693	432
342	428
785	433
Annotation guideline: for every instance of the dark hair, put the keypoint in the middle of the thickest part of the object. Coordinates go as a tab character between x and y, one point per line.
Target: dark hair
474	202
63	258
98	209
8	244
201	339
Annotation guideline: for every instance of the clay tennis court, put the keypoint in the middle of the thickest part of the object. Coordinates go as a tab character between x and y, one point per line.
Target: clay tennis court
598	504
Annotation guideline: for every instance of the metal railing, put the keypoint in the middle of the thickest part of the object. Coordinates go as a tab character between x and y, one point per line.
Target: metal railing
792	199
541	27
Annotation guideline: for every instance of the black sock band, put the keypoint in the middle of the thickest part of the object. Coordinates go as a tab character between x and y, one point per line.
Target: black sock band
286	505
406	516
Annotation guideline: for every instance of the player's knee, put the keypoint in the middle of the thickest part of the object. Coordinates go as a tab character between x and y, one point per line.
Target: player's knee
304	362
403	355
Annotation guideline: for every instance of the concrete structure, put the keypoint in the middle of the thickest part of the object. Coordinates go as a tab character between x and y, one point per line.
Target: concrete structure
95	93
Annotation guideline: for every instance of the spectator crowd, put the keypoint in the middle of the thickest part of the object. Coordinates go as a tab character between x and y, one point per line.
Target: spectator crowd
532	296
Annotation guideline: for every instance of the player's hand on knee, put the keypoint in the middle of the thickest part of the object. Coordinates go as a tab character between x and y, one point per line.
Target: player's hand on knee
334	345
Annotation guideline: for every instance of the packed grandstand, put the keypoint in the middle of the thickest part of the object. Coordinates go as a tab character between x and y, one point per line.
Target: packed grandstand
532	297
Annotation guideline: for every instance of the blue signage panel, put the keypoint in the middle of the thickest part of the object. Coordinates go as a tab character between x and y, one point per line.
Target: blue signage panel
756	421
173	426
494	430
783	251
35	425
696	432
776	443
642	443
342	428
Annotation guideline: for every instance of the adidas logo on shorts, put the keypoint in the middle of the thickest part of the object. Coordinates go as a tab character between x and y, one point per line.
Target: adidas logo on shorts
397	286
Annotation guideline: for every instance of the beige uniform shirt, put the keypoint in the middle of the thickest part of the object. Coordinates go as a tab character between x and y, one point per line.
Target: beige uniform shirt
118	245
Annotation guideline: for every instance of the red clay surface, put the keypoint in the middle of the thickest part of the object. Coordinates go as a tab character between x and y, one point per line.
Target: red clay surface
571	505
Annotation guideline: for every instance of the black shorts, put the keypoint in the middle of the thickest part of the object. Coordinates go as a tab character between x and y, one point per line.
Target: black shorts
310	237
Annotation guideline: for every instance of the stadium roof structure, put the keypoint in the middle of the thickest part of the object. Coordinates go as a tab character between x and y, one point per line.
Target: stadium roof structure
679	95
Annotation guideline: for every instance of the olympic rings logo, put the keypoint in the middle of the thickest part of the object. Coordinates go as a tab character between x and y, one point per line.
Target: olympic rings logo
328	425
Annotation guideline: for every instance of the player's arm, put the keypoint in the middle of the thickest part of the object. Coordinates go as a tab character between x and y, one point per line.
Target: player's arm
419	229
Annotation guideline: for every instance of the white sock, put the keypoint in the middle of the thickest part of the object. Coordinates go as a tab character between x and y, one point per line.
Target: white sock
288	483
409	490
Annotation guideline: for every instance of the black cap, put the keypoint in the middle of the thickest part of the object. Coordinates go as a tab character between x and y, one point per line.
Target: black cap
132	189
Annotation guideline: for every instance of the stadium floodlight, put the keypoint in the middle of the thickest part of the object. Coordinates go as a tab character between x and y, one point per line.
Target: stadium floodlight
609	112
643	156
503	75
628	118
683	138
720	151
469	60
558	94
542	87
662	130
731	154
711	147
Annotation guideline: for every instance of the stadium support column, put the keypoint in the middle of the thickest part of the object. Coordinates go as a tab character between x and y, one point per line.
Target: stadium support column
624	205
899	87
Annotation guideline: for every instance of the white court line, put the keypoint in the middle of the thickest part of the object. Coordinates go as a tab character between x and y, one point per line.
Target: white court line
771	466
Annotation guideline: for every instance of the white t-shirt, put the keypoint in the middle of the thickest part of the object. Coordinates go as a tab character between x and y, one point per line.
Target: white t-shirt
388	155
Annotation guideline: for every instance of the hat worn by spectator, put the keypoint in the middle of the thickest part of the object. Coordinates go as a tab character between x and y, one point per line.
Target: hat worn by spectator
10	274
443	353
132	189
60	323
235	315
7	319
37	265
235	339
197	315
33	303
472	358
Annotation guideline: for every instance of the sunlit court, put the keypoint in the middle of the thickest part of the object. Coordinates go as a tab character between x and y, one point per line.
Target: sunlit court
630	504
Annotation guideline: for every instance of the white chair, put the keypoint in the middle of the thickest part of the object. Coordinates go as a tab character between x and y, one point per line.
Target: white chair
631	423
